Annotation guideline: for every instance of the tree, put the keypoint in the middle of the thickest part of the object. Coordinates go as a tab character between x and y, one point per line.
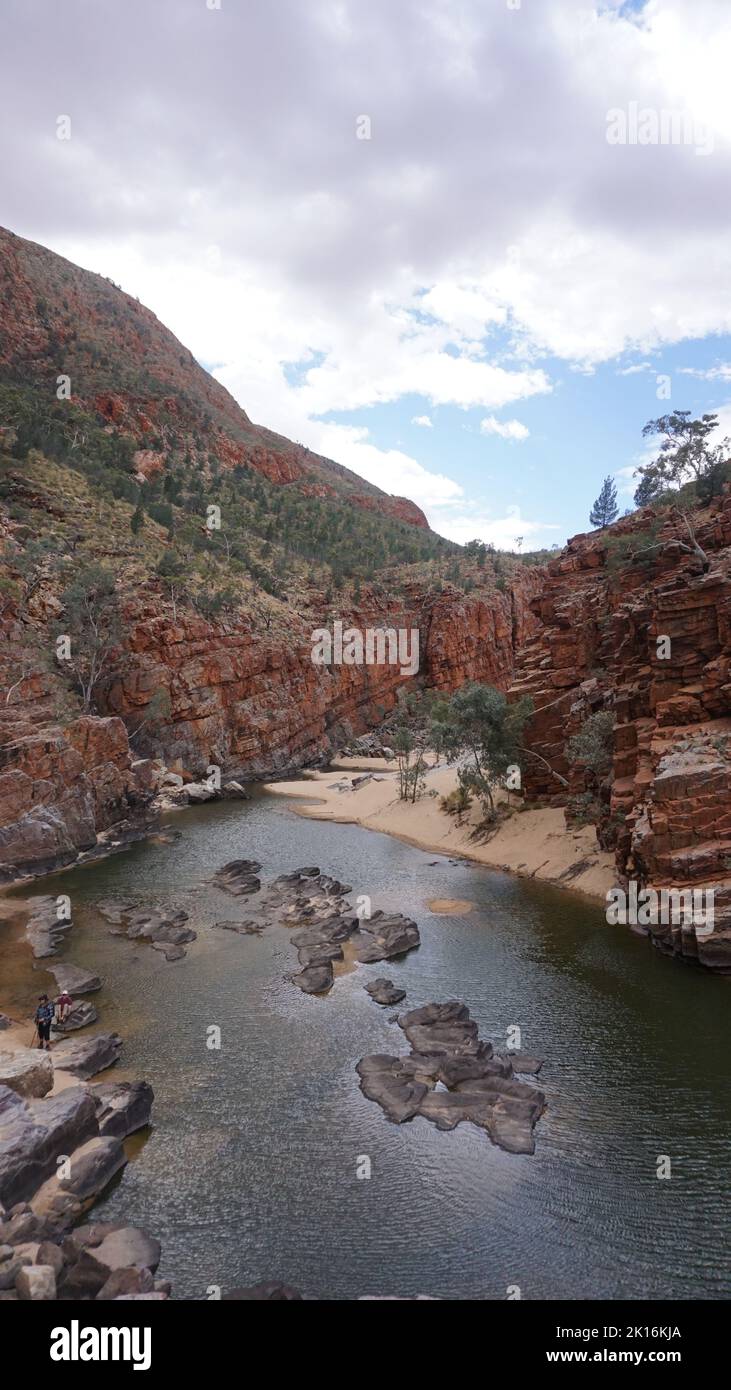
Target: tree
157	712
478	724
686	454
592	747
37	560
172	571
410	773
593	744
649	489
137	520
605	509
93	625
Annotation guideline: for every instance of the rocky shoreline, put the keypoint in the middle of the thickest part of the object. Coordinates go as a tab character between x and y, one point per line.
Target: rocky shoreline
58	1153
62	1139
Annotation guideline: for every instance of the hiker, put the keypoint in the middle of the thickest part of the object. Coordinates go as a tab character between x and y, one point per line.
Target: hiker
63	1004
43	1019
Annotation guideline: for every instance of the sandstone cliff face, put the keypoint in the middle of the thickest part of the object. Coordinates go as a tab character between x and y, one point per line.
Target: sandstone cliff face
477	639
255	704
598	646
252	703
400	508
63	783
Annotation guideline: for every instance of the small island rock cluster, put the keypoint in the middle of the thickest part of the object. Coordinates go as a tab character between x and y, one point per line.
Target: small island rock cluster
317	905
475	1083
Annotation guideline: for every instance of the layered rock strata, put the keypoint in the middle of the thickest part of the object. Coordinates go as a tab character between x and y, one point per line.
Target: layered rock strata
250	703
650	639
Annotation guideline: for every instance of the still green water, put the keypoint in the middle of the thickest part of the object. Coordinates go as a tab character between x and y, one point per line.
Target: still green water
250	1169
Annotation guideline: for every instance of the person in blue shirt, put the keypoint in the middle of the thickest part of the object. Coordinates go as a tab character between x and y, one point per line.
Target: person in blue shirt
43	1019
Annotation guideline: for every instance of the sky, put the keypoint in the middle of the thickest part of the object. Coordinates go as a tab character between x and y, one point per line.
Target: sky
467	248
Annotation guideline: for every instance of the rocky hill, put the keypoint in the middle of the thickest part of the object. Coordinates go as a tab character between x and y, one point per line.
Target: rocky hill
131	374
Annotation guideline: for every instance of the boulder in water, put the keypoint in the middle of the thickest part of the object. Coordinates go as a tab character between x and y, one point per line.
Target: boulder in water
385	992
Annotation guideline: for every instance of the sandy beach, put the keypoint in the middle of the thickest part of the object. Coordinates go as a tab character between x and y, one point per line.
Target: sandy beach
533	843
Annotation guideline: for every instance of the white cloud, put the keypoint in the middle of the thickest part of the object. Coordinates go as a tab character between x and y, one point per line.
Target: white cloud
500	531
507	429
627	478
723	429
423	421
390	469
721	372
416	263
467	309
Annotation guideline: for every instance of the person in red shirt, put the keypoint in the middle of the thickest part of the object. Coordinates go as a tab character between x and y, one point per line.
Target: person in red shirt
63	1004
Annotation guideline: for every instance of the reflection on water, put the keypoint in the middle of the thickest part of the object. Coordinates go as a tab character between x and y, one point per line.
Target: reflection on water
250	1169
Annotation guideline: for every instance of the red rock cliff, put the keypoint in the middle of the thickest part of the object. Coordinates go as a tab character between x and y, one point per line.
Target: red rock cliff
250	702
598	645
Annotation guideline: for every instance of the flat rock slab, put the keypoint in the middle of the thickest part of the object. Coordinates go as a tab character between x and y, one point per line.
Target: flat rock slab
524	1064
239	877
28	1071
248	928
122	1106
32	1135
323	954
75	979
114	910
157	926
385	1080
169	952
383	937
385	992
80	1015
84	1057
451	1077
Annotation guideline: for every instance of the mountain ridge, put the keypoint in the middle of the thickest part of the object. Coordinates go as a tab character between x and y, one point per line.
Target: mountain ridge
123	363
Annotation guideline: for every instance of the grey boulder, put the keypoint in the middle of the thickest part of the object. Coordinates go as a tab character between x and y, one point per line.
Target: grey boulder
32	1135
385	992
84	1057
29	1071
75	979
382	937
80	1015
122	1106
315	979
